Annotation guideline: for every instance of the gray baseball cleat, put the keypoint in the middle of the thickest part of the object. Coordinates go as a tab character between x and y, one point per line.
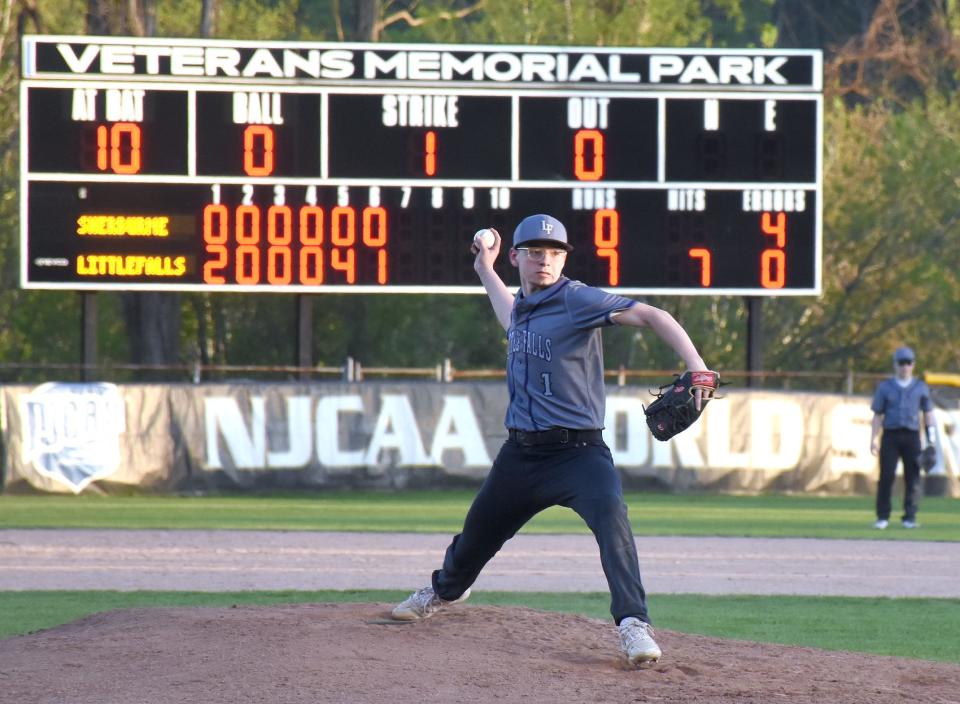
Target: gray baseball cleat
636	641
422	604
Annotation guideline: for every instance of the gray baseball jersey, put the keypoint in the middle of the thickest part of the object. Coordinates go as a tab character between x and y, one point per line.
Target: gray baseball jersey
901	406
555	356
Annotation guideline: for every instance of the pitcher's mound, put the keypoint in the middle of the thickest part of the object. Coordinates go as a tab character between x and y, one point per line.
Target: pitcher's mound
352	653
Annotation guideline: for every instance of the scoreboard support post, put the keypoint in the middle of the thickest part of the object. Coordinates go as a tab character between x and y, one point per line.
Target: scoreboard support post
88	334
754	340
304	318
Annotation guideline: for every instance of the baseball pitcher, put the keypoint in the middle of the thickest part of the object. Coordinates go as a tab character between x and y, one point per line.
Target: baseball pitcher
554	453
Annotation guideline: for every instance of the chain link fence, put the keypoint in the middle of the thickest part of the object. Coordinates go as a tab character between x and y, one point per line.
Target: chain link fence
354	371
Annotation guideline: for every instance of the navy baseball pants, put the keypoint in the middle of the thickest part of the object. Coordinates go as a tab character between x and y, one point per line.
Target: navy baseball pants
902	444
525	480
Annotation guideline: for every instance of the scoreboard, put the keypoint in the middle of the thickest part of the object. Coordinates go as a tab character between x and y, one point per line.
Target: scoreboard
200	165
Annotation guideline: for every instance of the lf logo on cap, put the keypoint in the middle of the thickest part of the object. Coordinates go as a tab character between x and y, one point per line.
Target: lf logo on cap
546	226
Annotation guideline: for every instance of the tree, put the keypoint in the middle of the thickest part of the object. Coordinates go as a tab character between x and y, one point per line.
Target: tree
152	319
890	171
906	50
821	23
890	231
34	325
892	167
585	22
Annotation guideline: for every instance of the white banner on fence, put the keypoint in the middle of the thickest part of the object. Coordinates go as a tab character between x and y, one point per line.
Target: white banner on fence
107	438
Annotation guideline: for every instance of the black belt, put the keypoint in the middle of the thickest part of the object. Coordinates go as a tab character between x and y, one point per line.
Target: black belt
554	436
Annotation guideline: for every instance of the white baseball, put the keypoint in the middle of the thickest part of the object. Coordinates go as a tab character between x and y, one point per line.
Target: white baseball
485	238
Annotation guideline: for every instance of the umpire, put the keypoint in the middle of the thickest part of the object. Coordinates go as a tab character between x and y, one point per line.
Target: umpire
898	403
554	454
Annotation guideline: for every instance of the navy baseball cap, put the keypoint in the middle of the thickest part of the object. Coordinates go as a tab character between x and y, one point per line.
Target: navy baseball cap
904	354
541	230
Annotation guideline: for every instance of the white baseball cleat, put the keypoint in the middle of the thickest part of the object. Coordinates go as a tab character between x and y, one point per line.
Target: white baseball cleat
907	523
422	604
881	524
636	641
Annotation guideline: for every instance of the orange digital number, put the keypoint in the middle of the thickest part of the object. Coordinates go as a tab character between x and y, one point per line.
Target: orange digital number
248	264
773	268
606	228
343	226
311	237
773	260
382	266
247	235
279	256
345	260
219	263
251	135
580	140
124	138
215	226
311	265
343	233
279	267
706	266
103	147
284	215
430	154
216	232
376	237
311	225
614	257
606	237
248	224
776	229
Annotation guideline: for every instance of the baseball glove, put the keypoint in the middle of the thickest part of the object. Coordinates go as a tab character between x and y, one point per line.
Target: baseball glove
675	409
928	458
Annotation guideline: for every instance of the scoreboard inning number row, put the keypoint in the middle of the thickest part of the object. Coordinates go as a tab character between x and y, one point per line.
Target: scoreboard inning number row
271	166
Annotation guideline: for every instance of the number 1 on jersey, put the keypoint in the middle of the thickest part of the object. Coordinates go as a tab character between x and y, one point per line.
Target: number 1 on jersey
547	388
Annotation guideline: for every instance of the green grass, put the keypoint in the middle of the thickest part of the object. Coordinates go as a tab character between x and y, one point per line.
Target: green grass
919	628
915	628
443	512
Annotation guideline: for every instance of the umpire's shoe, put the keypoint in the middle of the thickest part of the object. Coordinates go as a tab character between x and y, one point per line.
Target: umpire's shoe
423	603
636	641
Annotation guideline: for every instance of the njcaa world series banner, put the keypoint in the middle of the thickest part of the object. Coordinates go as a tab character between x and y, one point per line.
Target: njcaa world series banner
106	438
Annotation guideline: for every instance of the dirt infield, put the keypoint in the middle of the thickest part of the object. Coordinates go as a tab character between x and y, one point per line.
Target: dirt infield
354	655
266	560
350	653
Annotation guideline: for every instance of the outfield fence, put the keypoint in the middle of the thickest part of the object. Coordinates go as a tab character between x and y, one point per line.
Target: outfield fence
353	370
100	437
